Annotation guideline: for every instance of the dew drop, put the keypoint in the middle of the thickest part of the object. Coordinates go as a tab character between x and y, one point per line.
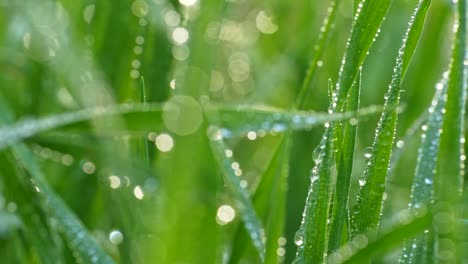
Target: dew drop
299	237
353	121
164	142
89	167
114	181
427	181
138	192
400	144
362	182
115	237
252	135
368	153
225	214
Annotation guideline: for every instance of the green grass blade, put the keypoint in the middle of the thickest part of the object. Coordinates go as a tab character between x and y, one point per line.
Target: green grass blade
311	238
343	180
422	192
367	19
366	214
242	198
366	247
270	198
80	241
140	118
449	177
269	202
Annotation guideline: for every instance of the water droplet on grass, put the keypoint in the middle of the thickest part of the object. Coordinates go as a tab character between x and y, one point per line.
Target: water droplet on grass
362	182
225	214
368	153
299	237
116	237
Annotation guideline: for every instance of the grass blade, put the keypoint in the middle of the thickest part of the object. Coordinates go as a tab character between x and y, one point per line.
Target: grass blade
368	247
422	192
243	202
141	118
80	241
270	204
367	19
449	177
366	214
311	238
343	179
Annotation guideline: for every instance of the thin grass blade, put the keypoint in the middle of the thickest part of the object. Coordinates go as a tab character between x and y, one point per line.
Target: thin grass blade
366	214
80	241
449	176
242	198
366	247
141	118
311	237
418	250
368	17
343	179
269	202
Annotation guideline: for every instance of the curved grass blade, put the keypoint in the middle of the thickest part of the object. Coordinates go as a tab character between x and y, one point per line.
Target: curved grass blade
311	237
141	118
80	241
243	202
343	178
449	177
366	247
366	214
85	248
270	204
422	191
367	20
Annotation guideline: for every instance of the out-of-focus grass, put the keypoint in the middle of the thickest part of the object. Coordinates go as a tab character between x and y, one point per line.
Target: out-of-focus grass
90	172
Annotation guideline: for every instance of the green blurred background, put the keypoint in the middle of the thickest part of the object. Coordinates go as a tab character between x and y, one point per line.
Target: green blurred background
61	56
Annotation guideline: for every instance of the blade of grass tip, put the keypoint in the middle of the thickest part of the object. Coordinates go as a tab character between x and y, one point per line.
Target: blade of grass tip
345	167
449	176
319	49
366	214
242	198
365	247
422	191
80	241
311	238
366	23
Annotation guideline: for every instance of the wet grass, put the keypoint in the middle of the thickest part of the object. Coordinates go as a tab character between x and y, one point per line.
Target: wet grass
233	132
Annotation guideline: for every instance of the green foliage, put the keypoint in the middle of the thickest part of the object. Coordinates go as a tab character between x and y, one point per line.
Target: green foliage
190	131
